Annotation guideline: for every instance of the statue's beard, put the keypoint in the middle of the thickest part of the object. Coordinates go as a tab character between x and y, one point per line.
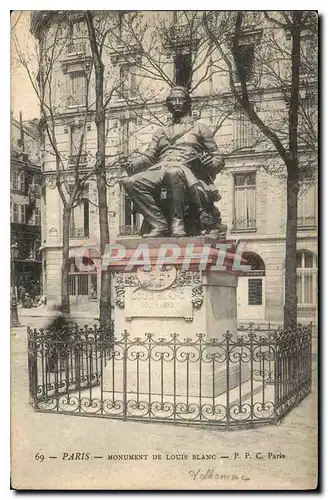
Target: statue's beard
178	112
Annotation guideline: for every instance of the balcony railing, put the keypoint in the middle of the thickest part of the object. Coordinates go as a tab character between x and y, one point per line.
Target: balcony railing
79	232
183	34
244	224
75	48
306	311
76	102
129	230
72	160
306	222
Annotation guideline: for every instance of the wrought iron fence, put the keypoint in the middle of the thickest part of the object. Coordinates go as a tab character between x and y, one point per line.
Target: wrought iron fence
253	377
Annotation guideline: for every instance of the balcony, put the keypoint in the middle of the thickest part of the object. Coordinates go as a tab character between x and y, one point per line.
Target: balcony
72	160
306	222
76	48
244	225
129	230
306	311
78	232
182	35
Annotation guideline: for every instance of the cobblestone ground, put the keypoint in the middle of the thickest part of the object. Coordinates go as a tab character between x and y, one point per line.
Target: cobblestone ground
61	435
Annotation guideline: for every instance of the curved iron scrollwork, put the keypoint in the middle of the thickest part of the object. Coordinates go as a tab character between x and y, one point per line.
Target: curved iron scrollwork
119	291
183	278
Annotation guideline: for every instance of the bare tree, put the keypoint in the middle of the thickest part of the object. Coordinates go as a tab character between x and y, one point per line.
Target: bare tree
70	180
276	57
100	120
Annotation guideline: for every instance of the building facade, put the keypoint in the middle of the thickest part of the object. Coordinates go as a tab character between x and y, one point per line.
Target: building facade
25	204
252	185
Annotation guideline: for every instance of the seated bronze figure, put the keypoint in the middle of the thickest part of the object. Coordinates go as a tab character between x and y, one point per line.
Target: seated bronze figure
180	163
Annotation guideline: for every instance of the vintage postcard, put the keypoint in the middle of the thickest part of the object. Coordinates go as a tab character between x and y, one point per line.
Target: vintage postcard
164	250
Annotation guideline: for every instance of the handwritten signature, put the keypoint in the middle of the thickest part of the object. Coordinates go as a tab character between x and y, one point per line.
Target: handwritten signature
211	473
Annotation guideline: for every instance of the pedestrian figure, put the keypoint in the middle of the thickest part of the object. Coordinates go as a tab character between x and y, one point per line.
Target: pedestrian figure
58	333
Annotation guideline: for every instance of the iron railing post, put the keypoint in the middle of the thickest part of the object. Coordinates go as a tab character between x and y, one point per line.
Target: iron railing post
32	367
227	378
125	349
310	355
275	381
299	356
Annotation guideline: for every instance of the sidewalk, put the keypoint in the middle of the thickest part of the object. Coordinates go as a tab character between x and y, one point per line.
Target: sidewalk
42	312
27	316
293	443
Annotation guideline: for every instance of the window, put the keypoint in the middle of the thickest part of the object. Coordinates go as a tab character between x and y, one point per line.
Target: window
80	217
124	18
93	286
127	80
243	132
244	202
30	216
244	58
82	283
15	212
85	204
37	216
53	233
309	55
22	214
14	180
22	181
130	220
183	69
76	44
254	292
127	136
306	284
307	119
307	205
76	88
75	139
244	55
72	285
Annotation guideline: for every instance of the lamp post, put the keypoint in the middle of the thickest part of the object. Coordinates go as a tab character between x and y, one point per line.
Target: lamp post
13	302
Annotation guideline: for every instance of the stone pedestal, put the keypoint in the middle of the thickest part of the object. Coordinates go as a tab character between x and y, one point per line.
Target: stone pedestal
176	299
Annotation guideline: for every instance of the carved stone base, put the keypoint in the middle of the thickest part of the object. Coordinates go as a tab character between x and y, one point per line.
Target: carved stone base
166	300
174	300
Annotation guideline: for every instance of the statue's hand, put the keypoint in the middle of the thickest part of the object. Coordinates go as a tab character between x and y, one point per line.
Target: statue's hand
207	161
127	165
130	168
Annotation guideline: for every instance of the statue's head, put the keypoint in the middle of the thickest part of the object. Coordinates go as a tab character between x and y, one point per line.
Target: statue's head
178	101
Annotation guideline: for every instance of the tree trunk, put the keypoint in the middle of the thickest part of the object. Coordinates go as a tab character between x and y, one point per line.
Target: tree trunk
65	305
290	307
105	288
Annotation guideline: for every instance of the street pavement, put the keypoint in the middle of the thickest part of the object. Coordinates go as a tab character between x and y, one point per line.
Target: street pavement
183	450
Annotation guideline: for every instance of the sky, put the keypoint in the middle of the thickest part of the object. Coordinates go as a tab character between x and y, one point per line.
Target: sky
23	97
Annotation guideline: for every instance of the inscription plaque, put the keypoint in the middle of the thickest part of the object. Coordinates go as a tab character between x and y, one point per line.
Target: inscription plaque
168	303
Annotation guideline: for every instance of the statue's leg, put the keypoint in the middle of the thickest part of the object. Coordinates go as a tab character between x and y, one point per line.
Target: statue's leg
174	181
142	188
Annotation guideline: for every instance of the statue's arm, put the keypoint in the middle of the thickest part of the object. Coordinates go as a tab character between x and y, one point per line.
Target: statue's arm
148	157
215	161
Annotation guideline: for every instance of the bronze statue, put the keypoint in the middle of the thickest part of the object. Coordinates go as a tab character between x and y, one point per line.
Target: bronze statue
183	160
